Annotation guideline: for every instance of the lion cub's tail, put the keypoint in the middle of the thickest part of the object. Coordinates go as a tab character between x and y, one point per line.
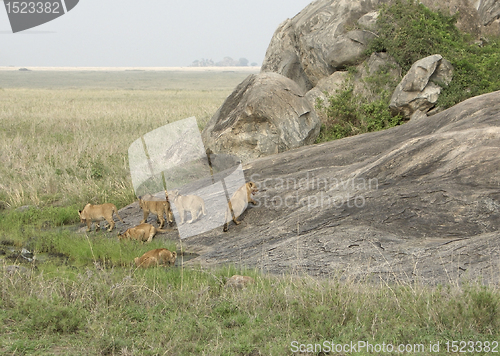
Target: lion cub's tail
161	230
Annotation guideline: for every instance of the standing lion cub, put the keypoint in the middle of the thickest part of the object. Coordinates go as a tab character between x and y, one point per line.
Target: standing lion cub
192	203
158	257
142	232
239	202
98	213
151	204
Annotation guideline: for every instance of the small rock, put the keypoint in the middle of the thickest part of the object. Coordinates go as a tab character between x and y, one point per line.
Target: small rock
11	269
239	282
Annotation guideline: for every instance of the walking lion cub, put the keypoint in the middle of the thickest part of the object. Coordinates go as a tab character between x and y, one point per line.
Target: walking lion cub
192	203
239	202
142	232
158	257
151	204
98	213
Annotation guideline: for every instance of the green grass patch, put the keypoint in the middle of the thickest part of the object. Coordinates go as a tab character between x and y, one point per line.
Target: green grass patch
21	224
103	248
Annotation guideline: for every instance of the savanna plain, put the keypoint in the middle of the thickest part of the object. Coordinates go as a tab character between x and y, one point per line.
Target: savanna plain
64	138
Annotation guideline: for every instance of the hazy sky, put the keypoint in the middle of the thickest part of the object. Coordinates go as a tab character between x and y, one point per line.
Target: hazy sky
148	33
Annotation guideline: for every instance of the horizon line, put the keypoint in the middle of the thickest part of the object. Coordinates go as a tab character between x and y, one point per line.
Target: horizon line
127	68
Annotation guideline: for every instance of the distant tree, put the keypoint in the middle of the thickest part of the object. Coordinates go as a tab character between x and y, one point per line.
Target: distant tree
227	62
243	62
254	64
203	63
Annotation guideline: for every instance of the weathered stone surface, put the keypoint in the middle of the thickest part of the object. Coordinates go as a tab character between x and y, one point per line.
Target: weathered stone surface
266	114
349	49
317	41
489	11
369	21
329	85
416	202
417	115
419	89
311	35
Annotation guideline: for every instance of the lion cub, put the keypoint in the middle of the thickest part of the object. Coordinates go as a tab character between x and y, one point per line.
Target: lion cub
239	202
98	213
158	257
192	203
158	206
142	232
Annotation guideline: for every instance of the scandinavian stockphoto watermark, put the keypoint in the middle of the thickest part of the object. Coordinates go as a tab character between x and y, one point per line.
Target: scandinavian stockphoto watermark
173	158
172	161
313	192
26	14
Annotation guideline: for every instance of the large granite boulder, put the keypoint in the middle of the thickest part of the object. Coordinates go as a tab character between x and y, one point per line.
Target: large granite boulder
417	202
266	114
420	88
328	35
348	49
310	46
489	11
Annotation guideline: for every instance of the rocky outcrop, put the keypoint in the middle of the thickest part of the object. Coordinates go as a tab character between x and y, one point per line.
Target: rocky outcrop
265	114
417	202
320	39
315	42
489	11
420	88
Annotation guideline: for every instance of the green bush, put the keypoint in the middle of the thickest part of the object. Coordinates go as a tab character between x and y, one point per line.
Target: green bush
349	114
409	31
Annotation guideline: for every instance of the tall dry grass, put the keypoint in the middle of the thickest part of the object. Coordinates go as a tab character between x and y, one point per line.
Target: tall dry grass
69	146
128	311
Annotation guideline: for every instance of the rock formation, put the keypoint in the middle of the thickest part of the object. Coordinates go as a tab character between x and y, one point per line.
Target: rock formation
266	114
417	202
313	44
313	49
419	90
320	39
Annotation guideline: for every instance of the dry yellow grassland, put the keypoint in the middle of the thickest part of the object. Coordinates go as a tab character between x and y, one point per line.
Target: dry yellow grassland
69	145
